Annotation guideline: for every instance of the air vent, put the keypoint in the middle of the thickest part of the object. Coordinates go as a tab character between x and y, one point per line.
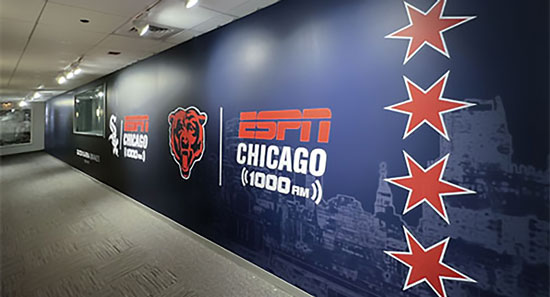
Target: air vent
156	31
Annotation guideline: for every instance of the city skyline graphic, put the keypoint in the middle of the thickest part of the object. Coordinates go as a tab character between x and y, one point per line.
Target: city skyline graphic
337	248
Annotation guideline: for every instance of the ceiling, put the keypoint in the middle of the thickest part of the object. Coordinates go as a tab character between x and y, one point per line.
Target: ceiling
39	39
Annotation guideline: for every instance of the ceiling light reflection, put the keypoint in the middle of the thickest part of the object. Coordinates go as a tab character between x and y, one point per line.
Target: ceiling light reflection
191	3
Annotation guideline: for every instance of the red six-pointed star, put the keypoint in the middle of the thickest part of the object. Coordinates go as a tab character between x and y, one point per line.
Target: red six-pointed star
427	106
426	265
427	185
427	28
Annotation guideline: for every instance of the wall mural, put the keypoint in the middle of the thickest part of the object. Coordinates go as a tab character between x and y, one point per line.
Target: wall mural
15	125
342	157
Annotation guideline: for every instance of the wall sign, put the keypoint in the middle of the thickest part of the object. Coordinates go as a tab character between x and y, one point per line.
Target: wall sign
267	166
88	156
187	137
134	131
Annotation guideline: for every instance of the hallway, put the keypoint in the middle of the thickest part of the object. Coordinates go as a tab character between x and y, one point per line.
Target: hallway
66	235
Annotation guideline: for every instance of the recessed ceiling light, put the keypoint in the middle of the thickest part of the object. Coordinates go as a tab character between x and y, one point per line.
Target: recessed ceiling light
85	21
23	103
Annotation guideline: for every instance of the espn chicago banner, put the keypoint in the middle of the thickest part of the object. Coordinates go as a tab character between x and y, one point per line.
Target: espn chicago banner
357	148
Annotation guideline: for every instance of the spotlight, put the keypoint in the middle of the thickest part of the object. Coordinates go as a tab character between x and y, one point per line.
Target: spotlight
77	70
23	103
100	94
191	3
61	79
143	29
36	95
69	74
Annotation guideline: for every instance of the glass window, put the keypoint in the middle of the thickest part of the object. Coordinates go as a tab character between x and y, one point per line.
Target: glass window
89	112
15	125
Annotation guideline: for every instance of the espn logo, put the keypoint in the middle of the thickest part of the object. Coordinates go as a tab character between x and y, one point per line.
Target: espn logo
136	123
269	125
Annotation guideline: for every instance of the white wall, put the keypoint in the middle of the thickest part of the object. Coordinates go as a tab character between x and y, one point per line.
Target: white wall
37	133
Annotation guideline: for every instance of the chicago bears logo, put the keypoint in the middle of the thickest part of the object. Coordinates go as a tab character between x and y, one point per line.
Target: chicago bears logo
187	137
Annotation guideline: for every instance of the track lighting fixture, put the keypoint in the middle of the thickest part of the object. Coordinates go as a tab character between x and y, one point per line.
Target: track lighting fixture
61	79
141	24
70	72
143	29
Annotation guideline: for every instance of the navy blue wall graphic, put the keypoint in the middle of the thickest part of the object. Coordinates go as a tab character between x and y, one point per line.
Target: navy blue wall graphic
299	182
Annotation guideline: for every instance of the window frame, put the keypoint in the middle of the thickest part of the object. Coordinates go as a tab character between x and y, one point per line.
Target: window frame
104	90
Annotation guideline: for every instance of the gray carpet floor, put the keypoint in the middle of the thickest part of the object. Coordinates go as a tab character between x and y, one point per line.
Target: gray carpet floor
67	235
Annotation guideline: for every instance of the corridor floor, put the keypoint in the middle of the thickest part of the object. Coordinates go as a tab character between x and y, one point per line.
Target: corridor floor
67	235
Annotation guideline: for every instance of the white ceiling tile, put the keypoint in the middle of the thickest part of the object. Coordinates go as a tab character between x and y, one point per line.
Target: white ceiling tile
244	9
99	61
60	38
69	17
25	10
33	61
4	81
250	6
58	59
13	37
174	14
126	8
24	80
67	37
14	33
8	60
213	23
221	6
266	3
162	46
124	43
60	45
182	36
